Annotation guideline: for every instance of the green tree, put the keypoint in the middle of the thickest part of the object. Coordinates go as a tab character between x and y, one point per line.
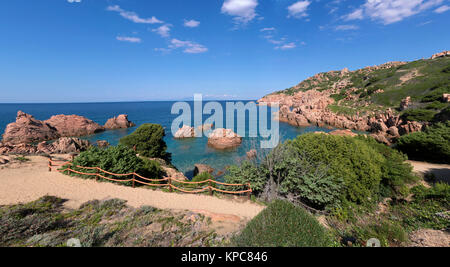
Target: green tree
148	140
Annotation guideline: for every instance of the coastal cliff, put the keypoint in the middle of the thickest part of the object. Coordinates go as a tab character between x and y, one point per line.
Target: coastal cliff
377	99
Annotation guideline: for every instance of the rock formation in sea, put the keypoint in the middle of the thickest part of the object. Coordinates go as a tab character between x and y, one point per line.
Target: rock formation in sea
119	122
185	132
224	139
202	168
74	125
27	129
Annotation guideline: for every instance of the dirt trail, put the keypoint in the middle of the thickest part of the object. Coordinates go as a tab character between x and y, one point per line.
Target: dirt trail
441	171
25	182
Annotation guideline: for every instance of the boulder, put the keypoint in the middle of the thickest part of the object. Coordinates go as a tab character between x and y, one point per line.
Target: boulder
201	168
393	131
27	129
3	160
74	125
119	122
381	139
185	132
446	98
67	145
252	154
224	139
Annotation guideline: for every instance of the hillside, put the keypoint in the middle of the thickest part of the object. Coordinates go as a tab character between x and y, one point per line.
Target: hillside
403	92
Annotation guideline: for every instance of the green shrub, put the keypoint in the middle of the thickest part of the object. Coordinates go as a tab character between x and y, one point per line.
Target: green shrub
148	140
204	176
443	116
347	158
433	144
247	172
418	115
436	105
282	224
117	159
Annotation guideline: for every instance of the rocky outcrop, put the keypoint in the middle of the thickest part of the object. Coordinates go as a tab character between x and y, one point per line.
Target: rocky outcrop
74	125
27	129
202	168
63	145
405	103
224	139
442	54
119	122
446	98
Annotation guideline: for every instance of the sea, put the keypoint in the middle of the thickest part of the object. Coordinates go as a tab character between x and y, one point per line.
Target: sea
185	153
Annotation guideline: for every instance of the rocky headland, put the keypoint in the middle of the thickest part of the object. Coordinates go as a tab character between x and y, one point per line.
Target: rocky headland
318	100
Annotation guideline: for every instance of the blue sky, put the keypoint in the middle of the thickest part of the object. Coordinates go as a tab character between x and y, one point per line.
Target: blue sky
126	50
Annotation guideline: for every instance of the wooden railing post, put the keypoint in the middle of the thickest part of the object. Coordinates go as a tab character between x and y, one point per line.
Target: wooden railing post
170	185
96	177
210	188
134	178
50	163
249	193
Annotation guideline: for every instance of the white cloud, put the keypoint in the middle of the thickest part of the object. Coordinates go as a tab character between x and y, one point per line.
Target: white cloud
188	46
357	14
74	1
286	46
243	11
346	27
442	9
164	30
133	16
391	11
267	29
298	9
191	23
128	39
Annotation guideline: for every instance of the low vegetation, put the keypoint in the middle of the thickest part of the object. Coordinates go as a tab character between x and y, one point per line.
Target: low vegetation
116	159
433	144
282	224
327	172
110	223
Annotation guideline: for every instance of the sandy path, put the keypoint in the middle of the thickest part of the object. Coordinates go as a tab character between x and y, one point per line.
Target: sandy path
29	181
441	171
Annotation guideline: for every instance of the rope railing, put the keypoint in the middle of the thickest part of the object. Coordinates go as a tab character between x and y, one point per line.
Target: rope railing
136	178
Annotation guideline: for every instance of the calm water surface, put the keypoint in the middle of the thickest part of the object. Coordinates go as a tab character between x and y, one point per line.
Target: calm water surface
185	153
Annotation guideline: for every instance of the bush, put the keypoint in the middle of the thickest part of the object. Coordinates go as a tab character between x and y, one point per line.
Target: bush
282	224
433	144
327	172
418	115
247	172
204	176
350	159
148	140
117	159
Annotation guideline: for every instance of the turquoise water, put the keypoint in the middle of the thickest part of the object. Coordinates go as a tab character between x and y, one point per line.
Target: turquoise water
185	153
